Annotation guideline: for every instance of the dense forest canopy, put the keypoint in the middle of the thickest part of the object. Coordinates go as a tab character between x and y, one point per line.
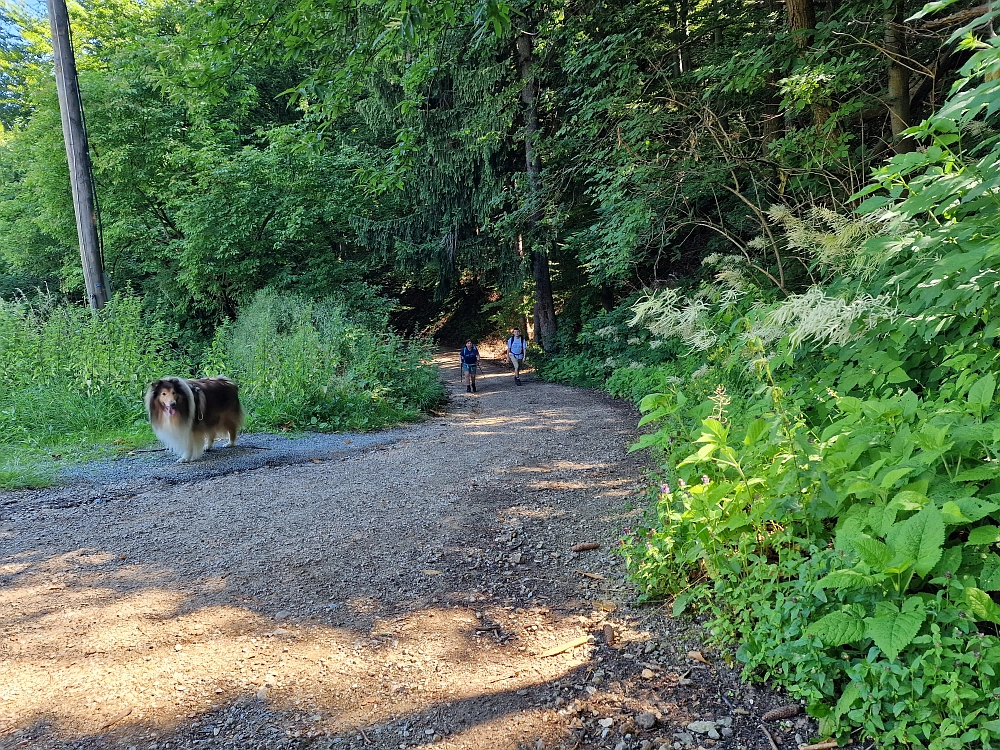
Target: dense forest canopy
548	158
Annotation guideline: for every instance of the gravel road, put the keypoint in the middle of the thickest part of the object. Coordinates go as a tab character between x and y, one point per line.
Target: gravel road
410	588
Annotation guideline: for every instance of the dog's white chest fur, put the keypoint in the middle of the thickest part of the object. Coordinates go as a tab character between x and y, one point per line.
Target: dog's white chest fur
179	439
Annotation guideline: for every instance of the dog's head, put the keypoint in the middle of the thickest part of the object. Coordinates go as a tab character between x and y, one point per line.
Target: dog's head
168	397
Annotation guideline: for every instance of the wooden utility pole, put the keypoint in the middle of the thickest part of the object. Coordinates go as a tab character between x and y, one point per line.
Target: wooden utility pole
78	156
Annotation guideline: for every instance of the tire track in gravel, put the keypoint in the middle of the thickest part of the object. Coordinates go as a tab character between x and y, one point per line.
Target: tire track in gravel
398	593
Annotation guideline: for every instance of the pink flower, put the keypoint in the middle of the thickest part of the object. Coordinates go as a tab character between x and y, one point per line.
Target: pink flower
705	479
665	488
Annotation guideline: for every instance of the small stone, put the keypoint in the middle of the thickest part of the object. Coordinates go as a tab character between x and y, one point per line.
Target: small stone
178	647
650	647
713	733
724	721
283	615
685	738
606	723
620	746
701	727
645	720
727	732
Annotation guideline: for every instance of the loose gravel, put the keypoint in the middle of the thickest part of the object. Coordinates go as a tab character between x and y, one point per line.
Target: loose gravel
410	588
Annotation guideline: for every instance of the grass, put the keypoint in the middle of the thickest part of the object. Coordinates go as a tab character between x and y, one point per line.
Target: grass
75	380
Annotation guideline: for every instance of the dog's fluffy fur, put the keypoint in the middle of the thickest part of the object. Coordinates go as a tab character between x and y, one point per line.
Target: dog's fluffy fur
187	415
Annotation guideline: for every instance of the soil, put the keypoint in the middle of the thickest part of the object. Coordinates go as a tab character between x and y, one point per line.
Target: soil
418	589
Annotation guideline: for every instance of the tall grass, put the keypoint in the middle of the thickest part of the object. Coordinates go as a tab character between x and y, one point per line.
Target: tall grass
74	380
70	372
306	364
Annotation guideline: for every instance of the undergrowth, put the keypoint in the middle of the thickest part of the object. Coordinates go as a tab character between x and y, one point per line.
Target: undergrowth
75	380
829	482
305	364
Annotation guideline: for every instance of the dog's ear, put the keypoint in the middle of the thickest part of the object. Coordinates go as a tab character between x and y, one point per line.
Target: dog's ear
150	396
200	402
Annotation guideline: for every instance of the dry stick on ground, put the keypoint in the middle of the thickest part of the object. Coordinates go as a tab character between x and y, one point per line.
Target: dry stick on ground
566	646
825	745
770	739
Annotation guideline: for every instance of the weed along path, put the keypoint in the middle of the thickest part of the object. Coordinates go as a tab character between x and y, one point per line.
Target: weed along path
409	589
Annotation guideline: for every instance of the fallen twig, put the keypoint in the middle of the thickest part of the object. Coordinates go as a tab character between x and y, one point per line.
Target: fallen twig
566	646
116	718
770	739
584	546
367	741
824	745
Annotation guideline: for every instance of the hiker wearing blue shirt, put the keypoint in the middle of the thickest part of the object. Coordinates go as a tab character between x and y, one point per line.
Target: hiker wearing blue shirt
470	363
516	349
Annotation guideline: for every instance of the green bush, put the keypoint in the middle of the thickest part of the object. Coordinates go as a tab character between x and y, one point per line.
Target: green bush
73	377
305	364
834	503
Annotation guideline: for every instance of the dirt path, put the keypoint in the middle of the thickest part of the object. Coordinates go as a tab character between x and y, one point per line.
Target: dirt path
398	595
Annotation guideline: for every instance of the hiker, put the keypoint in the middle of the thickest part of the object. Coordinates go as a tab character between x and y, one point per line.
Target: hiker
516	349
470	363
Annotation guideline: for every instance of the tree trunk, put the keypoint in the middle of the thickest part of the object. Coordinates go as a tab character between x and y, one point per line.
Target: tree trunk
802	21
683	61
545	311
899	77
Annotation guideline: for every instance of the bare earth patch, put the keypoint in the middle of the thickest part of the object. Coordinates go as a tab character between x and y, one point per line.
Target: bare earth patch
421	592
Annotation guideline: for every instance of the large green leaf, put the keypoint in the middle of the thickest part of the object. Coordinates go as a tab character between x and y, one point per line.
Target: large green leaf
757	428
894	631
845	579
872	552
981	393
984	535
921	538
981	605
950	561
989	579
838	628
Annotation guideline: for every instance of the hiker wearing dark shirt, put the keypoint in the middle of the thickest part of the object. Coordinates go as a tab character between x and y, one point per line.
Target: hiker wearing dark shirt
470	363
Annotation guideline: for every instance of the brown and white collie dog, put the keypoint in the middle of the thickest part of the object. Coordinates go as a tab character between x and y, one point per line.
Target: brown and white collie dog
187	415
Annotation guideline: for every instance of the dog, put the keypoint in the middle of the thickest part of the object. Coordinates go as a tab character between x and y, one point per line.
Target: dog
187	415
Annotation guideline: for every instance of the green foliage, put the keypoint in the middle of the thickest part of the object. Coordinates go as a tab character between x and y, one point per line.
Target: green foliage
845	525
75	378
305	364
